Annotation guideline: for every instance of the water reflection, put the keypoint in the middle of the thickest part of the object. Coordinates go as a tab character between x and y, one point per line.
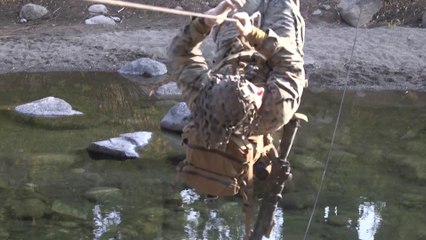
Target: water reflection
369	220
382	136
104	222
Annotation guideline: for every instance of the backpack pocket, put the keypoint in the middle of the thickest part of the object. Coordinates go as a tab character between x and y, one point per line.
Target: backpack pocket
206	182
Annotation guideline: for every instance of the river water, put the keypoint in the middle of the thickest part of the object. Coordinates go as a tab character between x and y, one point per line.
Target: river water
50	188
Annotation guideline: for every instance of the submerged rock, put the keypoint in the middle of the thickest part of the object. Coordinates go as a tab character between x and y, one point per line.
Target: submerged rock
144	67
169	89
176	118
4	185
47	107
122	147
32	12
101	194
338	221
67	211
31	208
304	162
100	19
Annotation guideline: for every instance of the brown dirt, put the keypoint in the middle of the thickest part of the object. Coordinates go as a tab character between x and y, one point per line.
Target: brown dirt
390	54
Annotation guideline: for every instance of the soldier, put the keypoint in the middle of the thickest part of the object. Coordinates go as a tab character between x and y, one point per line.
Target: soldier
257	81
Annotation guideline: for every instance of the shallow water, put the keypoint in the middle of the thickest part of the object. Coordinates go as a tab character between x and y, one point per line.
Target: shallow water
374	186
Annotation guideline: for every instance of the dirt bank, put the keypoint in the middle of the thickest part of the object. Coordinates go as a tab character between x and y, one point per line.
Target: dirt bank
385	57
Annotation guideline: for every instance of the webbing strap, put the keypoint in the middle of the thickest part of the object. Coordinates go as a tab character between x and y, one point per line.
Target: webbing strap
248	197
221	153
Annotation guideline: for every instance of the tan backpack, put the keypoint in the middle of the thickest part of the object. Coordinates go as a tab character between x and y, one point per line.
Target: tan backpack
224	173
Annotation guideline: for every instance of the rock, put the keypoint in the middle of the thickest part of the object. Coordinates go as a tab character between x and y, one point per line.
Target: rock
176	118
140	139
4	185
47	107
116	19
4	234
28	208
325	7
338	221
412	167
317	12
98	9
119	148
424	20
122	147
101	194
350	11
55	159
67	211
145	67
33	11
307	163
297	201
100	19
169	89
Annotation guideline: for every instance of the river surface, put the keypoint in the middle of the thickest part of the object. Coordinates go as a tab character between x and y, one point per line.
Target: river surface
50	188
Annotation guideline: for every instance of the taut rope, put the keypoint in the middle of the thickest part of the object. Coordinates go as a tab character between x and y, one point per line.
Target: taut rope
159	9
334	131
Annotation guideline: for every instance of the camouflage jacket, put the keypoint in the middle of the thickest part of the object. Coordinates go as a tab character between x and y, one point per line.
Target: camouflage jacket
280	67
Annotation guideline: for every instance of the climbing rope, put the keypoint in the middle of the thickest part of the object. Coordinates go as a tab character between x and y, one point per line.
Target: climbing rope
160	9
334	131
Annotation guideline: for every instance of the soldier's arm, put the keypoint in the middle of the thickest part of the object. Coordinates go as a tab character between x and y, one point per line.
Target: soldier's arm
187	61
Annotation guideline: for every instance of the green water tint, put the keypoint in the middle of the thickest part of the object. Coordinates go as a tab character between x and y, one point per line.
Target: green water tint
51	189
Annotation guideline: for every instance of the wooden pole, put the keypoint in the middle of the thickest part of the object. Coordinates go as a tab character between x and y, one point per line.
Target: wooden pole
159	9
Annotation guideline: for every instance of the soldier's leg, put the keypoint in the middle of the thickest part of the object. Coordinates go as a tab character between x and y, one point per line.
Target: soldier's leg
284	18
280	103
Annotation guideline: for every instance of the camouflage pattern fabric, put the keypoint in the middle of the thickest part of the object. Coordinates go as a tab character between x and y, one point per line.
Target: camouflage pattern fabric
223	109
214	96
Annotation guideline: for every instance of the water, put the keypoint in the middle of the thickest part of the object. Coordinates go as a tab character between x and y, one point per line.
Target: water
374	187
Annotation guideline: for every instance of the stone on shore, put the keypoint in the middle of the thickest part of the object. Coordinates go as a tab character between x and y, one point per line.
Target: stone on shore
98	9
120	148
351	10
424	20
176	118
144	67
100	19
47	107
32	12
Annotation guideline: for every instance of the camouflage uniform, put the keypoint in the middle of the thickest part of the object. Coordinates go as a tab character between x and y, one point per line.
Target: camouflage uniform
221	98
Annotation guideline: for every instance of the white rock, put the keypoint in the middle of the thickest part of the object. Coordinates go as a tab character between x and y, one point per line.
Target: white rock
32	11
117	19
169	89
176	118
100	19
47	107
317	12
144	67
98	9
351	10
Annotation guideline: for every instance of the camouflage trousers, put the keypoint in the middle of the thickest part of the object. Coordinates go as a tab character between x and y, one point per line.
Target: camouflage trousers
284	18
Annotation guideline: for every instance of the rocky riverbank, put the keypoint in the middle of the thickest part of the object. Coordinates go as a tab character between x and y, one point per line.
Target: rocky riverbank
386	57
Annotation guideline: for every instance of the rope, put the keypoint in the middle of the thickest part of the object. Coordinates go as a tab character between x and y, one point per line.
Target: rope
159	9
334	131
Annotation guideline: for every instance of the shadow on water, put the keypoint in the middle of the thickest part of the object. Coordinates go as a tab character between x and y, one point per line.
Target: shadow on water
51	189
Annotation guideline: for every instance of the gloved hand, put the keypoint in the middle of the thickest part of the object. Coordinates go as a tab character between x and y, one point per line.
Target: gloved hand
244	24
222	10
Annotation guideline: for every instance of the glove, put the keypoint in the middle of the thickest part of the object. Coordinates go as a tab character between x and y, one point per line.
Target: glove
222	10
